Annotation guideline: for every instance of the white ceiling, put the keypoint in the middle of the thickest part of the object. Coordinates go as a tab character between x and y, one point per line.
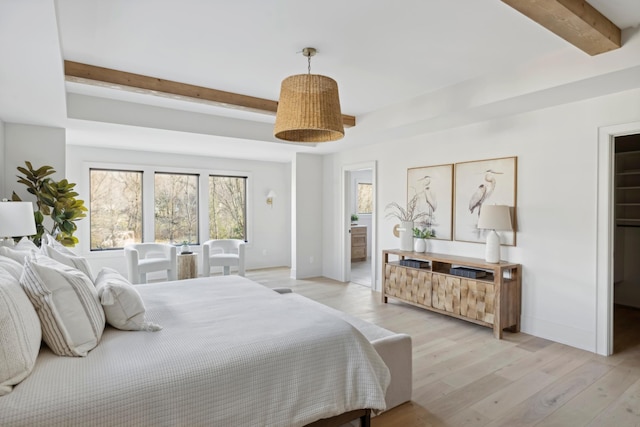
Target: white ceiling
406	66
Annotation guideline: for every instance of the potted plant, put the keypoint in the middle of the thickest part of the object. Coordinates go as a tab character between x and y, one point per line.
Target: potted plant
354	218
185	249
56	199
407	217
420	236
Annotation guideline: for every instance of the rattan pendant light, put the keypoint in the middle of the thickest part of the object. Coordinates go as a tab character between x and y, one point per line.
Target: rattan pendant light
309	107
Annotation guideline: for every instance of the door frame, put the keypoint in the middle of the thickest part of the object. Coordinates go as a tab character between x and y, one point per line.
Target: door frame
606	232
345	222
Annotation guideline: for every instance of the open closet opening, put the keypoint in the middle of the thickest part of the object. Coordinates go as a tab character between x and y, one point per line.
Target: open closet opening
626	268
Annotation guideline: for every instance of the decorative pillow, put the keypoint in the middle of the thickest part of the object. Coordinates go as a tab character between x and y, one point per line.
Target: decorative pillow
72	260
67	303
49	240
19	251
25	245
20	333
14	268
122	304
15	254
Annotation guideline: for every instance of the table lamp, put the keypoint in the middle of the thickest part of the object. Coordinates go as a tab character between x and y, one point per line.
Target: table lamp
16	220
494	217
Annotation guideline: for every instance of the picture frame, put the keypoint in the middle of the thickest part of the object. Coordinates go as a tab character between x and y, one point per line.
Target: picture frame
491	181
434	187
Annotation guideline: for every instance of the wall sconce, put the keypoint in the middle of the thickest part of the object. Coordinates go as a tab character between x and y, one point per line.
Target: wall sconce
270	196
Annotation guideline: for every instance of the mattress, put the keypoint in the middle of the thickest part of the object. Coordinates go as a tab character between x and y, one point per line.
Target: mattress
231	353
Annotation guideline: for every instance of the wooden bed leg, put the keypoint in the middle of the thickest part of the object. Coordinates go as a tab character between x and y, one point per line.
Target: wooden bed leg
365	420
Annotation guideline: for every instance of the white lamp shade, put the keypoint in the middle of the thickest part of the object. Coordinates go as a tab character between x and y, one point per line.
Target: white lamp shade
16	219
271	195
495	217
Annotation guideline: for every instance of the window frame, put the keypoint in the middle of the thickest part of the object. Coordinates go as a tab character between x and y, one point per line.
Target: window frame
89	203
148	200
358	183
246	201
198	218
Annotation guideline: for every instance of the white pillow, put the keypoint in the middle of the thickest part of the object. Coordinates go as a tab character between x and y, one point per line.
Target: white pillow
49	240
122	304
67	303
15	254
13	267
25	245
19	251
72	260
20	333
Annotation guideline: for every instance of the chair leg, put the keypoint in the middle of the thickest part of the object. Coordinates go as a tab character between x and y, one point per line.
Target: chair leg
143	278
226	270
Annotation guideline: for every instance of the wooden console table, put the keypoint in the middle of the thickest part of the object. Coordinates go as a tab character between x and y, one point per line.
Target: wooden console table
492	301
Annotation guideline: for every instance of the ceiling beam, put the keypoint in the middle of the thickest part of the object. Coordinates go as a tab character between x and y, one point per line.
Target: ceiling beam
84	73
576	21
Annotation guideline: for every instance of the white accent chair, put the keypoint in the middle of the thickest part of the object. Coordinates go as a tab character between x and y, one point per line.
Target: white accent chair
143	258
223	253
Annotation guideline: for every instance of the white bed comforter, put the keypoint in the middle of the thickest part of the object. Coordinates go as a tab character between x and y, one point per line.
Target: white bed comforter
232	353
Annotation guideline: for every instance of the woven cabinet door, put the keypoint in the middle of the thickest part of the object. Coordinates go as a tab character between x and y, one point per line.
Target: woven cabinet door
478	300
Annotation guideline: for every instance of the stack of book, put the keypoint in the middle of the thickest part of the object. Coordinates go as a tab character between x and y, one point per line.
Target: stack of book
414	263
467	272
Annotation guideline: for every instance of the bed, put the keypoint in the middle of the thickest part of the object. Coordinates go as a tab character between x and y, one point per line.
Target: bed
231	353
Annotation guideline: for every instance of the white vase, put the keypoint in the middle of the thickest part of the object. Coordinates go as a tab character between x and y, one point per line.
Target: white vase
419	245
406	235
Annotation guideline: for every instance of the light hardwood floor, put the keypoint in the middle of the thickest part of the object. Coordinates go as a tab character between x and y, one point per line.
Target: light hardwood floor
462	376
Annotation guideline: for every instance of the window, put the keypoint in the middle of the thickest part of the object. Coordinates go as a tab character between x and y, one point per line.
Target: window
176	208
116	216
227	207
115	208
365	198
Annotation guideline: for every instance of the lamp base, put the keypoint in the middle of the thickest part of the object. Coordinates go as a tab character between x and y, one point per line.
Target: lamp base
7	241
492	249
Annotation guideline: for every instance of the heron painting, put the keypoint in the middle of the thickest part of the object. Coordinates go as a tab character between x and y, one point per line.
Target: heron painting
480	183
484	191
433	186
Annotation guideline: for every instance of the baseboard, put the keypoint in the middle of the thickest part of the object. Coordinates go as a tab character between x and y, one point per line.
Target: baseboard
563	334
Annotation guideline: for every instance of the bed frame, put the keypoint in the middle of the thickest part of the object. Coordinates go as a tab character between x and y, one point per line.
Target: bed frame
363	414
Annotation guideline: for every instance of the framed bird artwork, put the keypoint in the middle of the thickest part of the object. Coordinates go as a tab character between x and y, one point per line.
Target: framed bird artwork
479	183
433	186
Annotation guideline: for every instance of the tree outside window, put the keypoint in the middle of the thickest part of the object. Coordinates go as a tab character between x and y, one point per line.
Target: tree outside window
365	198
227	207
176	208
115	208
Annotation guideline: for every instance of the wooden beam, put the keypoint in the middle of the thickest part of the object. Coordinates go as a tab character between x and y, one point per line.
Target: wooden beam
76	71
576	21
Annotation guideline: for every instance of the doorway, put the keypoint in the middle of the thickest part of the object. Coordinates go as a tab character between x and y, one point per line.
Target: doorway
606	254
626	244
359	213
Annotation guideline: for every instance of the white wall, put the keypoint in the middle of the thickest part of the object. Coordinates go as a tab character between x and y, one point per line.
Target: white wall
41	145
557	175
3	193
268	227
307	231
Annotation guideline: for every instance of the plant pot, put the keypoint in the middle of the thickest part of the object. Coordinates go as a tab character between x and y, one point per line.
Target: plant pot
185	249
419	245
406	235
